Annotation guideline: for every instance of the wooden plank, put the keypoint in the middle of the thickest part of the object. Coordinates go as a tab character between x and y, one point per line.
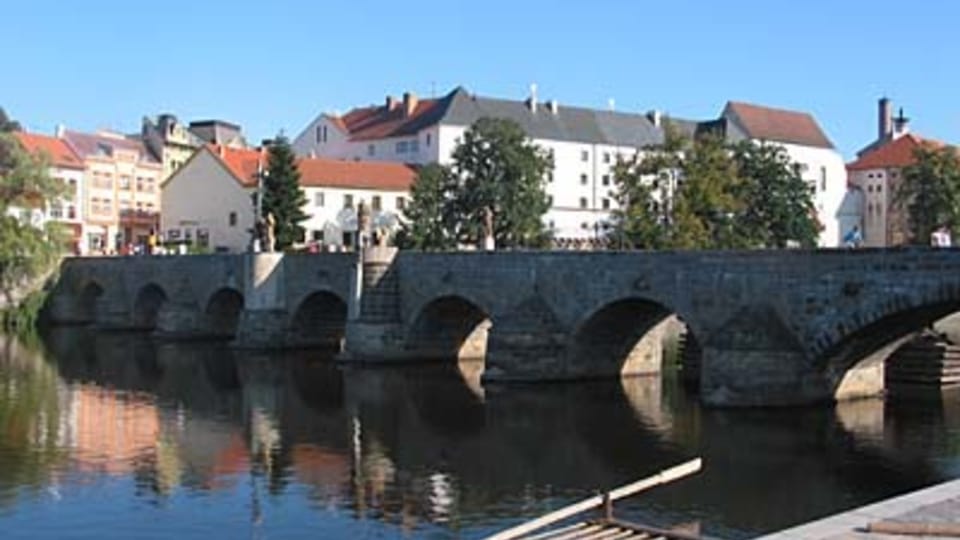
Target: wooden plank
655	531
549	534
662	477
579	534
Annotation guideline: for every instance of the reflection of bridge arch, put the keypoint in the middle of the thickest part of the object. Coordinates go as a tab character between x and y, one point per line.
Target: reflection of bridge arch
449	327
146	308
223	312
87	304
320	320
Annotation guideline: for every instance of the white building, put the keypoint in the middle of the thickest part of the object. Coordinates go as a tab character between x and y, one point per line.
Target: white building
211	199
585	144
67	167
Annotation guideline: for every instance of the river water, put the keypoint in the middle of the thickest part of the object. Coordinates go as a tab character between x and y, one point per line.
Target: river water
111	435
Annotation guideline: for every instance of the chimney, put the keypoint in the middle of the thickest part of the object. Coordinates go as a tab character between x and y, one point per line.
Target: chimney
884	119
655	117
391	103
532	100
409	103
60	131
900	125
553	106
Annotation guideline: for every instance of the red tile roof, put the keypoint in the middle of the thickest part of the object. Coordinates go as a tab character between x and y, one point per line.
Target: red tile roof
378	122
892	154
779	125
243	164
57	150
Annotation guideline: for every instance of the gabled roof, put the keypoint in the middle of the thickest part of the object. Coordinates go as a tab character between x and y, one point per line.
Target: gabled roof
56	150
89	144
895	153
776	125
243	165
460	108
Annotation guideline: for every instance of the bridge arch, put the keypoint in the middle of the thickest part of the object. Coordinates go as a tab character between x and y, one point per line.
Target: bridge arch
223	311
449	327
87	301
620	337
320	320
147	305
863	341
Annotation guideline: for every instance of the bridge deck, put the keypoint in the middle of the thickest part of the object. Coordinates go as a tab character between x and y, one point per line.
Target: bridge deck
937	506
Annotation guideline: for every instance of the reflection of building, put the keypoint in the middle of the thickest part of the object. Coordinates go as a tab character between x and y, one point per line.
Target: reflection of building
67	167
210	200
122	203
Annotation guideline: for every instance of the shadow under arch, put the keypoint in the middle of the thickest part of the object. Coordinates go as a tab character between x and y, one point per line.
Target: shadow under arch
87	302
622	337
869	346
223	312
447	328
319	321
146	308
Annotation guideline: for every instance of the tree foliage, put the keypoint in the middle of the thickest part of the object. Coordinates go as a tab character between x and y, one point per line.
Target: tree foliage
778	206
7	124
930	191
26	247
496	169
702	193
424	227
282	195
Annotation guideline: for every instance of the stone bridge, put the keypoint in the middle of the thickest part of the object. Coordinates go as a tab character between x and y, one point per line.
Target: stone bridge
773	327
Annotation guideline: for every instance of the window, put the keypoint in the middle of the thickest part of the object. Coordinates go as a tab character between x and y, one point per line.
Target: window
606	204
319	134
316	236
823	178
124	182
584	225
583	179
370	150
584	155
550	200
869	188
232	219
318	198
401	147
606	179
324	133
583	202
375	203
606	157
879	188
414	146
401	203
428	139
348	201
203	237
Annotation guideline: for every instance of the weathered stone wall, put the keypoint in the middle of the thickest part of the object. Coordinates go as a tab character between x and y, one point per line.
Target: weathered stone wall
774	327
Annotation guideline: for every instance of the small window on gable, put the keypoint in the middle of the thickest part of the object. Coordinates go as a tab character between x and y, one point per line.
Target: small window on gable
428	139
324	133
232	219
319	134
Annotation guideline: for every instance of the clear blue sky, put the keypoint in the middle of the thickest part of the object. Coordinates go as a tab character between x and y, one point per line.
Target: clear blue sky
275	65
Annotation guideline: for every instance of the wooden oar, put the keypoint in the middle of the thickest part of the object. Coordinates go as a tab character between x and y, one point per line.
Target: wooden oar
596	501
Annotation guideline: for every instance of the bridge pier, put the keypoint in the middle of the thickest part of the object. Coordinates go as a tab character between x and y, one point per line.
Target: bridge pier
374	331
264	321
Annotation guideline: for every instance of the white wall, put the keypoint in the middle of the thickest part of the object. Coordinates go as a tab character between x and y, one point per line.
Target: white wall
333	220
202	195
829	195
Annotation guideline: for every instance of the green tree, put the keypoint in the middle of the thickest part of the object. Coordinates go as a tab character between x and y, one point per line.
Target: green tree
705	203
282	195
495	167
7	124
777	204
423	226
26	248
930	191
641	187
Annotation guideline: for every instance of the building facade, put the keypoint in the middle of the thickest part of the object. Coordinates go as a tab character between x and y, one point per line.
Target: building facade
585	145
876	176
211	200
67	167
172	143
121	202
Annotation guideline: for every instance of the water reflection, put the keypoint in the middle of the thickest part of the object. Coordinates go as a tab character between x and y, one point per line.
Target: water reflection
293	445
